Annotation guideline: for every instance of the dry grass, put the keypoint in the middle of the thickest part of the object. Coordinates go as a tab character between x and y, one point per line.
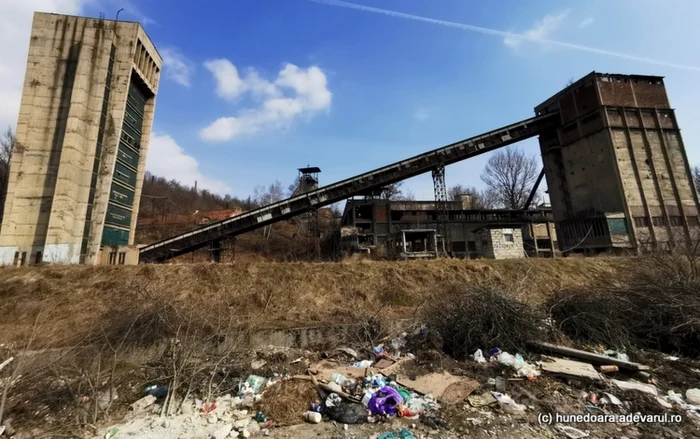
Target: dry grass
286	402
80	300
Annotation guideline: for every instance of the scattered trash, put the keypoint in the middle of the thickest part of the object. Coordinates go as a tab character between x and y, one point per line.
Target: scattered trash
517	362
257	364
481	400
500	384
571	432
222	432
458	391
609	369
157	390
569	368
143	403
313	417
671	358
384	363
634	385
208	407
105	397
252	385
298	360
665	404
385	401
693	396
363	363
616	354
479	356
403	434
589	356
345	412
109	435
507	404
349	351
611	399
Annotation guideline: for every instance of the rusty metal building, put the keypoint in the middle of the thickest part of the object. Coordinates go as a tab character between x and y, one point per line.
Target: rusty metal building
616	166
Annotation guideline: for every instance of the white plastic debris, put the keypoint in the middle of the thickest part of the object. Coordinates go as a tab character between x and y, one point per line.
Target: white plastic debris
571	432
507	404
479	356
692	396
363	364
222	432
614	400
143	403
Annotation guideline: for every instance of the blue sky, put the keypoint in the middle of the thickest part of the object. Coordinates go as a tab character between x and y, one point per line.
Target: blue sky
253	89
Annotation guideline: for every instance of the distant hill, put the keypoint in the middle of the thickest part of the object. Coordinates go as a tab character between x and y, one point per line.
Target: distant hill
162	198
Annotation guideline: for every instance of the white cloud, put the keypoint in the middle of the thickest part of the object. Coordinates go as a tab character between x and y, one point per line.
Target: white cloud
421	114
587	22
542	30
15	30
168	159
176	66
272	110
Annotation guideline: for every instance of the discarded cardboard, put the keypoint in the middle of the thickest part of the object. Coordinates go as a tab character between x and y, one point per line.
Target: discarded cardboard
324	370
434	384
570	368
458	391
384	363
589	356
634	385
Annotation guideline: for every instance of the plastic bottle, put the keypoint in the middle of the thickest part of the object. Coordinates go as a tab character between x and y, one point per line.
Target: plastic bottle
313	417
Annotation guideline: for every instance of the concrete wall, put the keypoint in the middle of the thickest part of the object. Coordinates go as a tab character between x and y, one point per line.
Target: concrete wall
491	244
51	175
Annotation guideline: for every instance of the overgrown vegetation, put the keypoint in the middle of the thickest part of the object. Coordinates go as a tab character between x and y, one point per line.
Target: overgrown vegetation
479	317
657	308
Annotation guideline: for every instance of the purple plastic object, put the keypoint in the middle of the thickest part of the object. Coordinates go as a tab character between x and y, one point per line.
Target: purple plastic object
384	401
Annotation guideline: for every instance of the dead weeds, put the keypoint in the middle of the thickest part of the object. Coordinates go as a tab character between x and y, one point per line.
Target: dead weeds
287	401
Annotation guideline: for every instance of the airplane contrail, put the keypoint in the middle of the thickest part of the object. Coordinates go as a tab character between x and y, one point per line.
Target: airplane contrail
501	33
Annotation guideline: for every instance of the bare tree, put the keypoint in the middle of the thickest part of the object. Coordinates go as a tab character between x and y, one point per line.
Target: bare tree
7	144
696	177
392	191
484	199
262	197
510	174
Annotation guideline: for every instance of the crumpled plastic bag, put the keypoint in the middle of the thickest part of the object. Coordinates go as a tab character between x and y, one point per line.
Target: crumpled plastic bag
479	356
507	404
345	412
385	401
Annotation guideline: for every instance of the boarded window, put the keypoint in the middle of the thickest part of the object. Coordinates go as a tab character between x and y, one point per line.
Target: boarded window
618	226
508	235
122	258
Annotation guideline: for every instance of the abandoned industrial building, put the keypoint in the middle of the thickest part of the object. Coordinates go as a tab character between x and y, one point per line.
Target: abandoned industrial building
369	224
617	174
82	135
616	167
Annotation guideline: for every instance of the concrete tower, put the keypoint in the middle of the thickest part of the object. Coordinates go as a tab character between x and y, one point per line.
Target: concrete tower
616	167
82	137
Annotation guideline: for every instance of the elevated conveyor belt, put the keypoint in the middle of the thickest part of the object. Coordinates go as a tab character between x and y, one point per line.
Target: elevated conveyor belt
281	210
